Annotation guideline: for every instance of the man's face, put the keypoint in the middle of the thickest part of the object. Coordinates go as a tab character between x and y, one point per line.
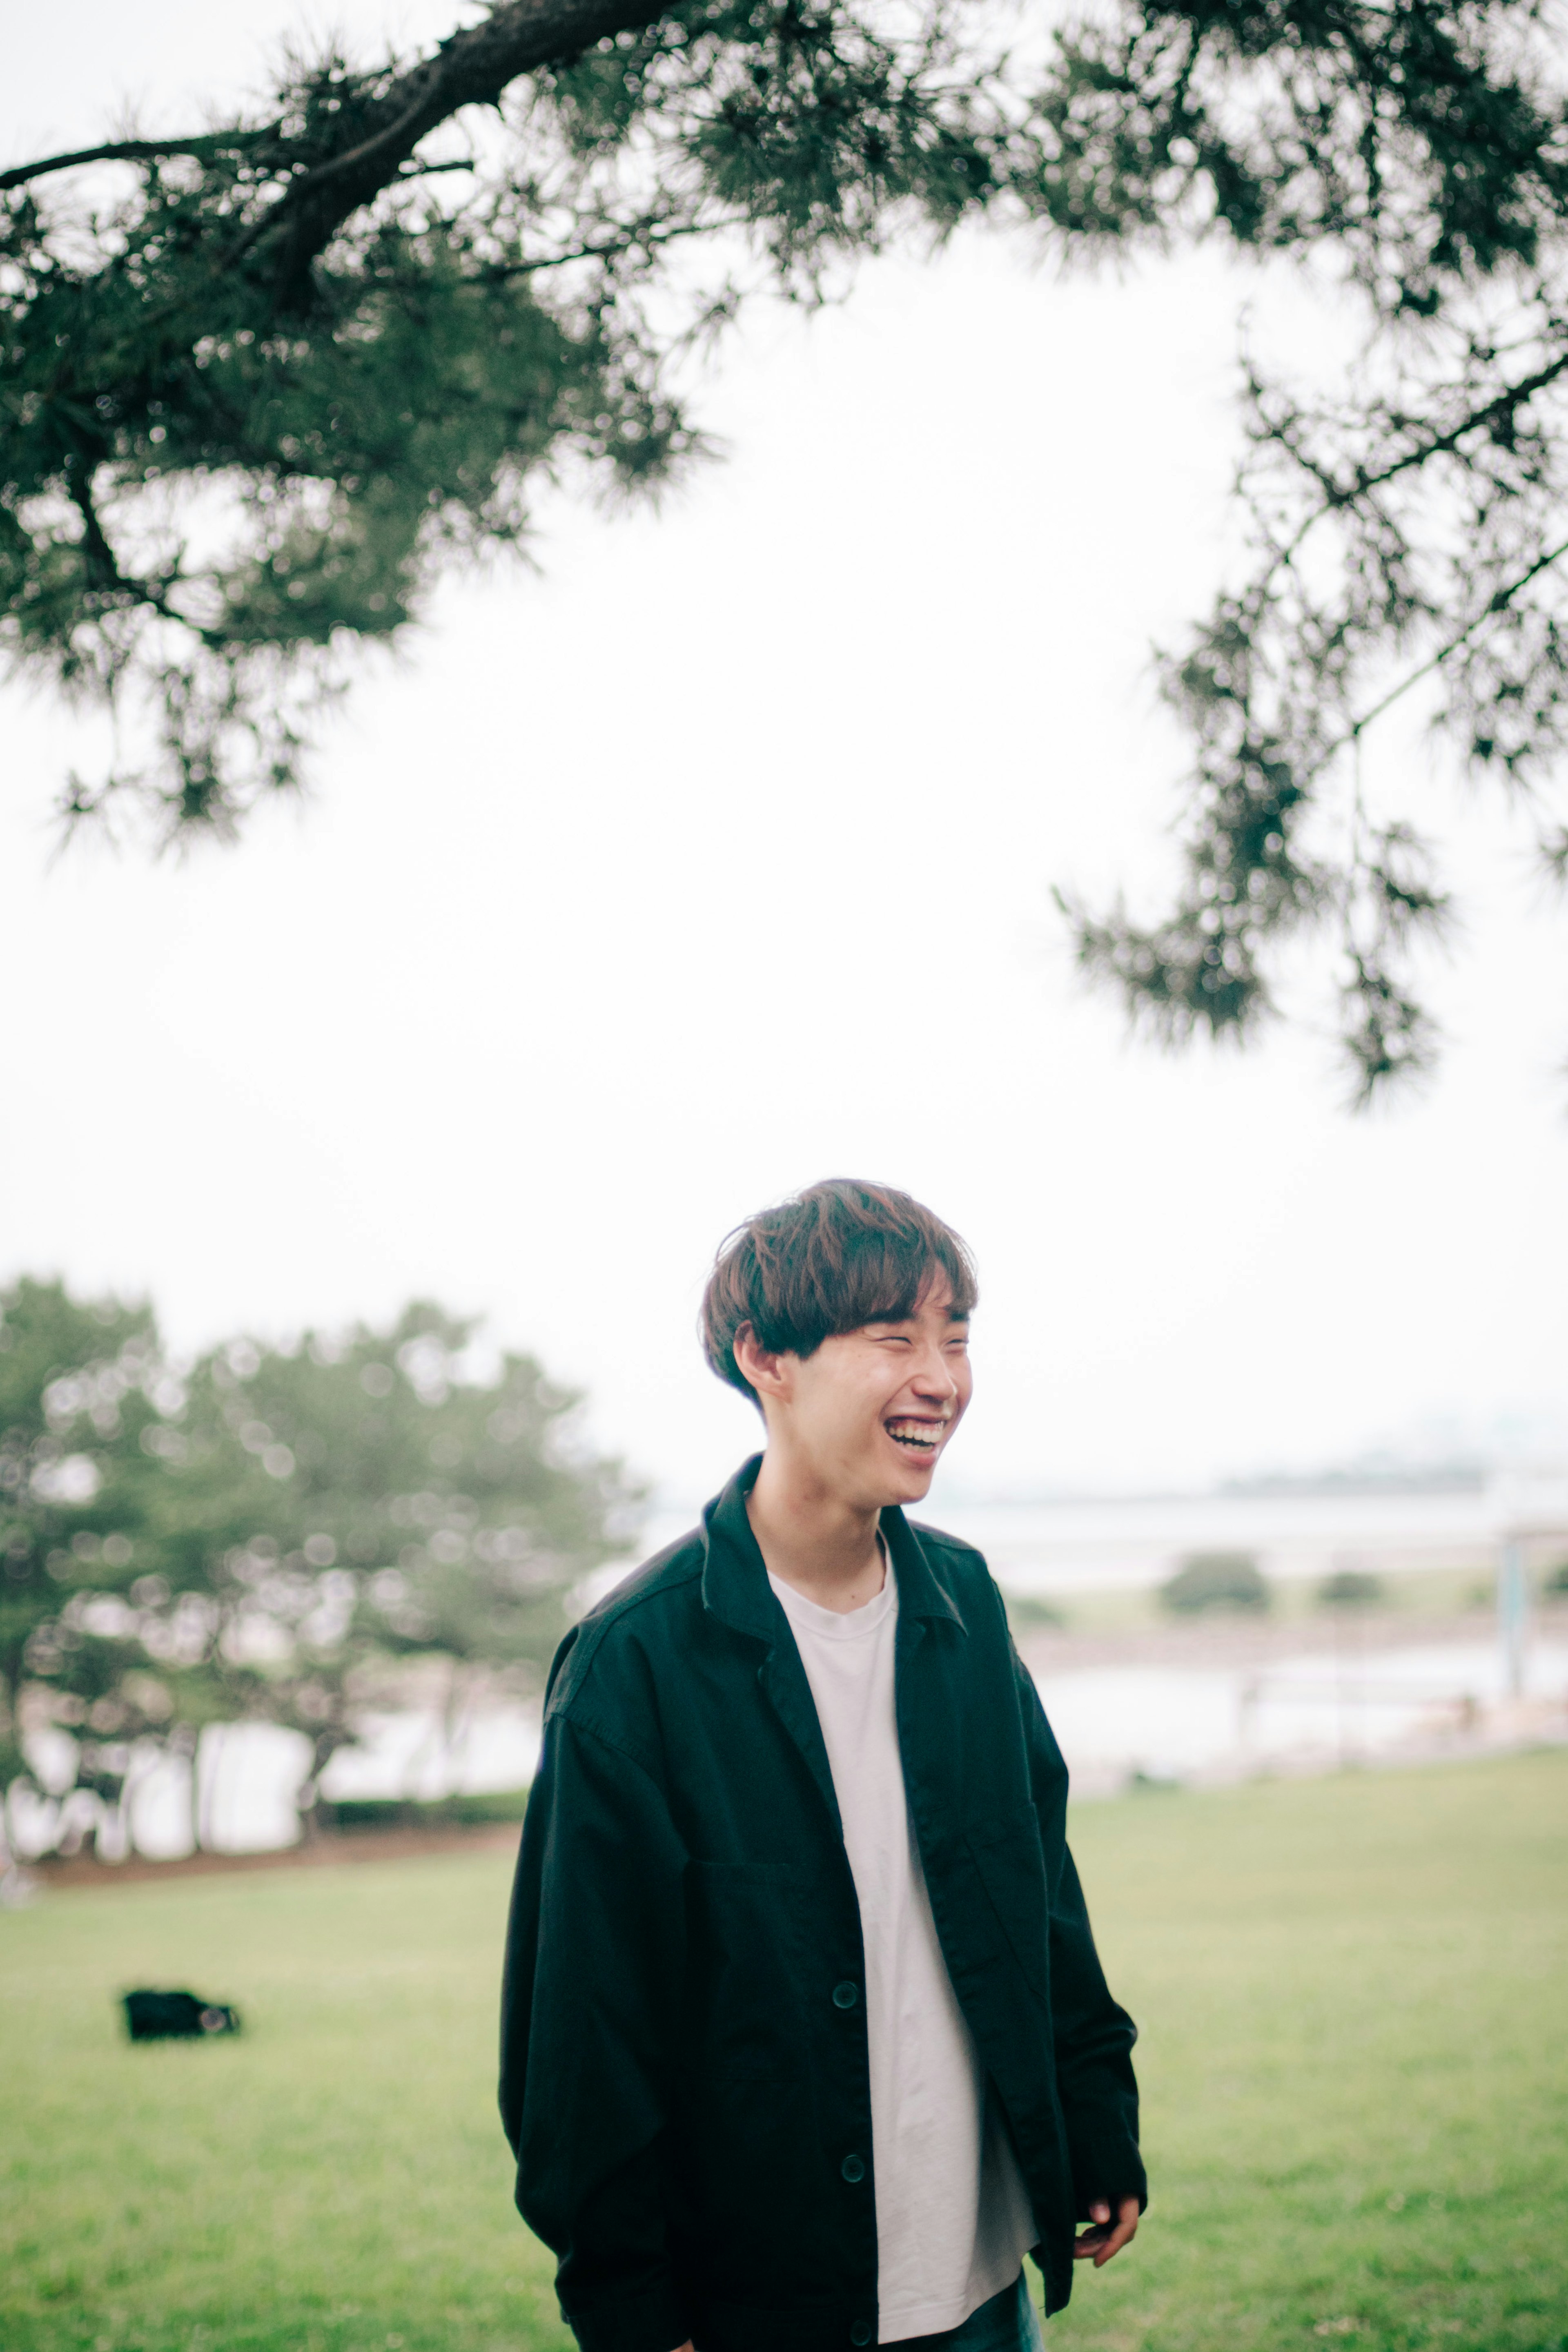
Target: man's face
870	1412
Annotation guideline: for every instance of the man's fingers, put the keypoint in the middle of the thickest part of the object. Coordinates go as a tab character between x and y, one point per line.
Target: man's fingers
1126	2227
1098	2245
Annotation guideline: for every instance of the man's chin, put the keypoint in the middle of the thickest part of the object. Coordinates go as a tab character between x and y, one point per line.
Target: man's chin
913	1473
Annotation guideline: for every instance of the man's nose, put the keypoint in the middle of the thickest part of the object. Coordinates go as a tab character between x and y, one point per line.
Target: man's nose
934	1375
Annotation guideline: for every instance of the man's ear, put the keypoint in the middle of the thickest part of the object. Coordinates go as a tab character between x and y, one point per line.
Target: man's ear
761	1365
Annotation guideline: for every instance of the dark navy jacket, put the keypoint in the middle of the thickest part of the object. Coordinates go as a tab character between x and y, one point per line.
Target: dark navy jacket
684	2067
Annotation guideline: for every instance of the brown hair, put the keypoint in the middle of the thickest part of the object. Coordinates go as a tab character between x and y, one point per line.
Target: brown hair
833	1258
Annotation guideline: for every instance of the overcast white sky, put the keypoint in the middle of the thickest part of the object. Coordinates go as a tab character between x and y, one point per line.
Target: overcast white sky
715	857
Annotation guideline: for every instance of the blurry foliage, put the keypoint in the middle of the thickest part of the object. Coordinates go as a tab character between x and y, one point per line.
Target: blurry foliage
1406	521
1215	1579
1351	1588
79	1385
482	1809
270	1532
261	384
1031	1612
1556	1578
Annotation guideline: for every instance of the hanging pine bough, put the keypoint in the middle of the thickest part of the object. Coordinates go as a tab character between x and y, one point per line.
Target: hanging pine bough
1411	537
1408	534
262	393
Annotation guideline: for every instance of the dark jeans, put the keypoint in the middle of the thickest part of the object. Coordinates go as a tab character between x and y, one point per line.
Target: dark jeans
1009	2323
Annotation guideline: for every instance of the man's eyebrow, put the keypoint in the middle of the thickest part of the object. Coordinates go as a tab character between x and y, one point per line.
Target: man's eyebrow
892	1319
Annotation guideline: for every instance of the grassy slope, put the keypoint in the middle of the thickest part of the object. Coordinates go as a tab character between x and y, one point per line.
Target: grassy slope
1352	1995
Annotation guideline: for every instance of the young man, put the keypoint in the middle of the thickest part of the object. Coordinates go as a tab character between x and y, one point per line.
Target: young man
805	2042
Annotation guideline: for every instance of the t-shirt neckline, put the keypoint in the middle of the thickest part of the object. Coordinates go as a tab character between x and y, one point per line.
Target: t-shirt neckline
841	1624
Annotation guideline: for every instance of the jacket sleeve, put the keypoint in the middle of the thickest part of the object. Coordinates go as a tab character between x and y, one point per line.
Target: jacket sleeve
1093	2034
594	1962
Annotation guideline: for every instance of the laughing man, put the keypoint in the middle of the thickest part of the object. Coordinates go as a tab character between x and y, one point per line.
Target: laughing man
805	2041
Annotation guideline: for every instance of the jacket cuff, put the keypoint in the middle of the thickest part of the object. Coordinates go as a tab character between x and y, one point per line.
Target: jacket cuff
1105	2170
654	2319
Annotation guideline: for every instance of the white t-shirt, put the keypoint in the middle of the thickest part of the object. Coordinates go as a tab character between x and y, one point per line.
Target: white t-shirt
953	2222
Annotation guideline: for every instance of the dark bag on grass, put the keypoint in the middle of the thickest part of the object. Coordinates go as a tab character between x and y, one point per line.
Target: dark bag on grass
176	2017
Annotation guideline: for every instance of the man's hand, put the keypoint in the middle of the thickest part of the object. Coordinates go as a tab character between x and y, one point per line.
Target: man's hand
687	2347
1102	2241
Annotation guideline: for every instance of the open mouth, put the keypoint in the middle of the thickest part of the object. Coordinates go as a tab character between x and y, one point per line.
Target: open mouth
921	1438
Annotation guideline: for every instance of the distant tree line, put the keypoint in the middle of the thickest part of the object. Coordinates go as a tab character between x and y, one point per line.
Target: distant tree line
272	1532
1207	1581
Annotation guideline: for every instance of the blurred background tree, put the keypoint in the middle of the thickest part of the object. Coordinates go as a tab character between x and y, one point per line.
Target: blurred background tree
80	1647
1352	1588
363	1501
262	384
280	1534
1215	1579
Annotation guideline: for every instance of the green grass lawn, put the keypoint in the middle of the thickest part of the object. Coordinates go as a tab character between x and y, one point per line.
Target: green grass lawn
1352	1995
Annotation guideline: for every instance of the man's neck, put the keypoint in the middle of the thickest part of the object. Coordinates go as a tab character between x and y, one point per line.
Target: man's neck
812	1539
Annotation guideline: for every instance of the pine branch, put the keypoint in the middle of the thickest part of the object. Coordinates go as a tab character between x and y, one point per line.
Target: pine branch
641	235
1491	412
472	68
202	145
1499	603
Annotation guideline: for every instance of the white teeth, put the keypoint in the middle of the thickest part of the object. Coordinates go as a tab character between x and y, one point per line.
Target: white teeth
922	1434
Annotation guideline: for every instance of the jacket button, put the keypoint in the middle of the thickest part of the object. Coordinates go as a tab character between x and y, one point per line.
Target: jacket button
861	2333
853	2168
845	1995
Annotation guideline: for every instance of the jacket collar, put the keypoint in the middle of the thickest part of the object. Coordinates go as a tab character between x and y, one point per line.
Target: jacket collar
735	1582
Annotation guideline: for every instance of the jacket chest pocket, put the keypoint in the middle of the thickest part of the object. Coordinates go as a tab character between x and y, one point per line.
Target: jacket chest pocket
1004	1849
